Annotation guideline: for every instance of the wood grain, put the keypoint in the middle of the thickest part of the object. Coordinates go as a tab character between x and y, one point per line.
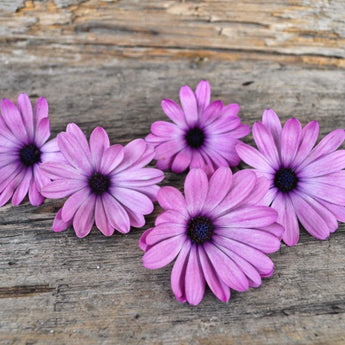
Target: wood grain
110	63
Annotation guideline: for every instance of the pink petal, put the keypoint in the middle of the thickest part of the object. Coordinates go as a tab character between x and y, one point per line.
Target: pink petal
116	214
142	241
59	224
23	188
50	146
73	130
189	105
309	136
265	143
74	153
134	152
219	186
328	144
165	129
211	113
164	231
290	141
40	178
330	193
35	197
261	240
85	217
6	194
61	188
25	107
338	211
256	197
223	124
231	110
60	170
41	110
203	95
325	165
112	157
196	161
287	217
43	132
311	220
172	216
272	123
217	286
195	189
13	120
174	112
248	217
274	229
194	278
241	131
253	158
226	268
178	272
73	203
136	219
137	177
259	260
99	142
101	219
166	150
181	161
248	269
132	199
171	198
163	252
243	183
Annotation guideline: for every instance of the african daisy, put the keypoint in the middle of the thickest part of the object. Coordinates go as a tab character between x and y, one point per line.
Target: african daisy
23	147
307	183
202	134
108	185
219	232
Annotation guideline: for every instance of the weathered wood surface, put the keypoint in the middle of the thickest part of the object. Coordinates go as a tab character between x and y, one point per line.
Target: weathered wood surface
110	63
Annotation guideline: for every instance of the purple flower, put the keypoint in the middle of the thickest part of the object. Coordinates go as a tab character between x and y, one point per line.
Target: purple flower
23	147
307	183
203	135
108	185
219	232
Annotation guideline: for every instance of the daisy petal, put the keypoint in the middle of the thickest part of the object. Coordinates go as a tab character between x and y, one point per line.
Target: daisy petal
174	112
226	269
272	123
290	141
196	188
60	225
217	286
194	278
101	219
178	272
73	203
99	142
203	95
85	217
189	105
25	107
163	252
171	198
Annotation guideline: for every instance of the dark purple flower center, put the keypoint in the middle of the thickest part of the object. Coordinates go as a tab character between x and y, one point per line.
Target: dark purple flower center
99	183
29	155
195	137
285	180
200	229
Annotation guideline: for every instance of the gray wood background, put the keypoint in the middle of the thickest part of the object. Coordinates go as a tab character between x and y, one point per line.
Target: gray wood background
110	63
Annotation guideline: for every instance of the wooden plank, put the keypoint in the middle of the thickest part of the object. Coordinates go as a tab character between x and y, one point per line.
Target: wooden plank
103	64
